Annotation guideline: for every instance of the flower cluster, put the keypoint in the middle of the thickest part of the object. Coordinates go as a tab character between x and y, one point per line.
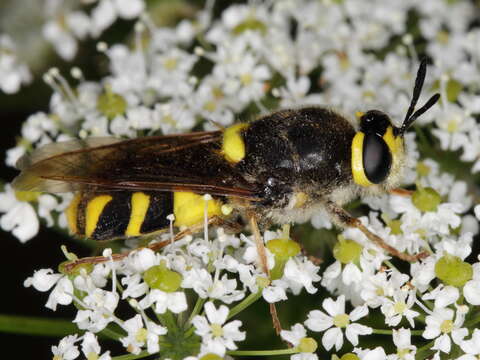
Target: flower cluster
206	72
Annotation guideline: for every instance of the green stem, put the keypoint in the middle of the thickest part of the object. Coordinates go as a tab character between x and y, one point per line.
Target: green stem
36	326
262	352
390	332
196	310
132	356
421	352
249	300
111	334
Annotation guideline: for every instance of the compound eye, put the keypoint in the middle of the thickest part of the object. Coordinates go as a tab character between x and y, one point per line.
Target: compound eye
376	158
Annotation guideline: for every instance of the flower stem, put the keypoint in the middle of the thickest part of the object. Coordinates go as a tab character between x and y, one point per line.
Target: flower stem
390	332
196	310
249	300
263	352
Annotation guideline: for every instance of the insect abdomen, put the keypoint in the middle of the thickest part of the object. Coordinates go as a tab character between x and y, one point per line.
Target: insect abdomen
104	216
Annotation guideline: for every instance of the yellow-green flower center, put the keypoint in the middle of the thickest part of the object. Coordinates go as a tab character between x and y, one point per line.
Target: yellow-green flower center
400	307
217	330
341	320
446	327
141	335
246	79
170	63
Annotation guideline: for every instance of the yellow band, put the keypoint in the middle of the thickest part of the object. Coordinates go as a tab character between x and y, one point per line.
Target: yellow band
139	203
394	143
233	146
94	210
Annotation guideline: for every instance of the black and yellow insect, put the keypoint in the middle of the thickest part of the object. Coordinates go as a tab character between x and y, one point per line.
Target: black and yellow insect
278	169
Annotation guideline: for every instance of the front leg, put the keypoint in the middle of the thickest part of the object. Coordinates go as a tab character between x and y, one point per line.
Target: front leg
344	219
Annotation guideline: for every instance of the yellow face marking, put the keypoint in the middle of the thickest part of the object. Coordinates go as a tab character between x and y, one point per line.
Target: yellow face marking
94	210
139	203
189	208
357	160
233	146
72	212
394	143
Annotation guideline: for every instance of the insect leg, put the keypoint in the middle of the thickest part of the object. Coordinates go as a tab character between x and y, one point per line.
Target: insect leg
263	261
156	246
343	218
401	192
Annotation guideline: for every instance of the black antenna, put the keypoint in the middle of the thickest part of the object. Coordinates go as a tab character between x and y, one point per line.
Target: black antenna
420	79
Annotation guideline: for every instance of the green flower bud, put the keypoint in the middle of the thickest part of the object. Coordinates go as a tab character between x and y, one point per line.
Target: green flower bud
250	24
453	271
426	199
283	248
111	104
347	251
349	356
159	277
423	169
211	356
27	196
75	271
453	87
307	345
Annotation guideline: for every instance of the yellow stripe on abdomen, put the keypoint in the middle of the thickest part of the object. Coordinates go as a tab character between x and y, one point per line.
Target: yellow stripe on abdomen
189	208
72	212
93	211
139	204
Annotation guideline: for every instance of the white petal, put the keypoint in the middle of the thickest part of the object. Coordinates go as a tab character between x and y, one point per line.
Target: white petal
332	337
353	330
318	321
358	313
471	290
443	343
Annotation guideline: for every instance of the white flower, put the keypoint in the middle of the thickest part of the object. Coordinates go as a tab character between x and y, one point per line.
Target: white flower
176	302
91	349
99	308
138	335
335	321
443	296
399	306
294	337
107	11
215	333
42	279
301	273
405	349
440	326
471	290
19	218
66	349
12	72
471	347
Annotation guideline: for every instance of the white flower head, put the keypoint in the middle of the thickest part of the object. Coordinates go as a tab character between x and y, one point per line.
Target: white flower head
216	334
335	320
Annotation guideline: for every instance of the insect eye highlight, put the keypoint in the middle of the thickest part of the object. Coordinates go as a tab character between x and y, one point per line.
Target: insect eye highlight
374	121
376	157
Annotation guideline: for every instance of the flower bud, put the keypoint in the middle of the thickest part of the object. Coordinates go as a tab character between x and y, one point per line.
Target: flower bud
307	345
111	104
346	250
426	199
453	271
159	277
